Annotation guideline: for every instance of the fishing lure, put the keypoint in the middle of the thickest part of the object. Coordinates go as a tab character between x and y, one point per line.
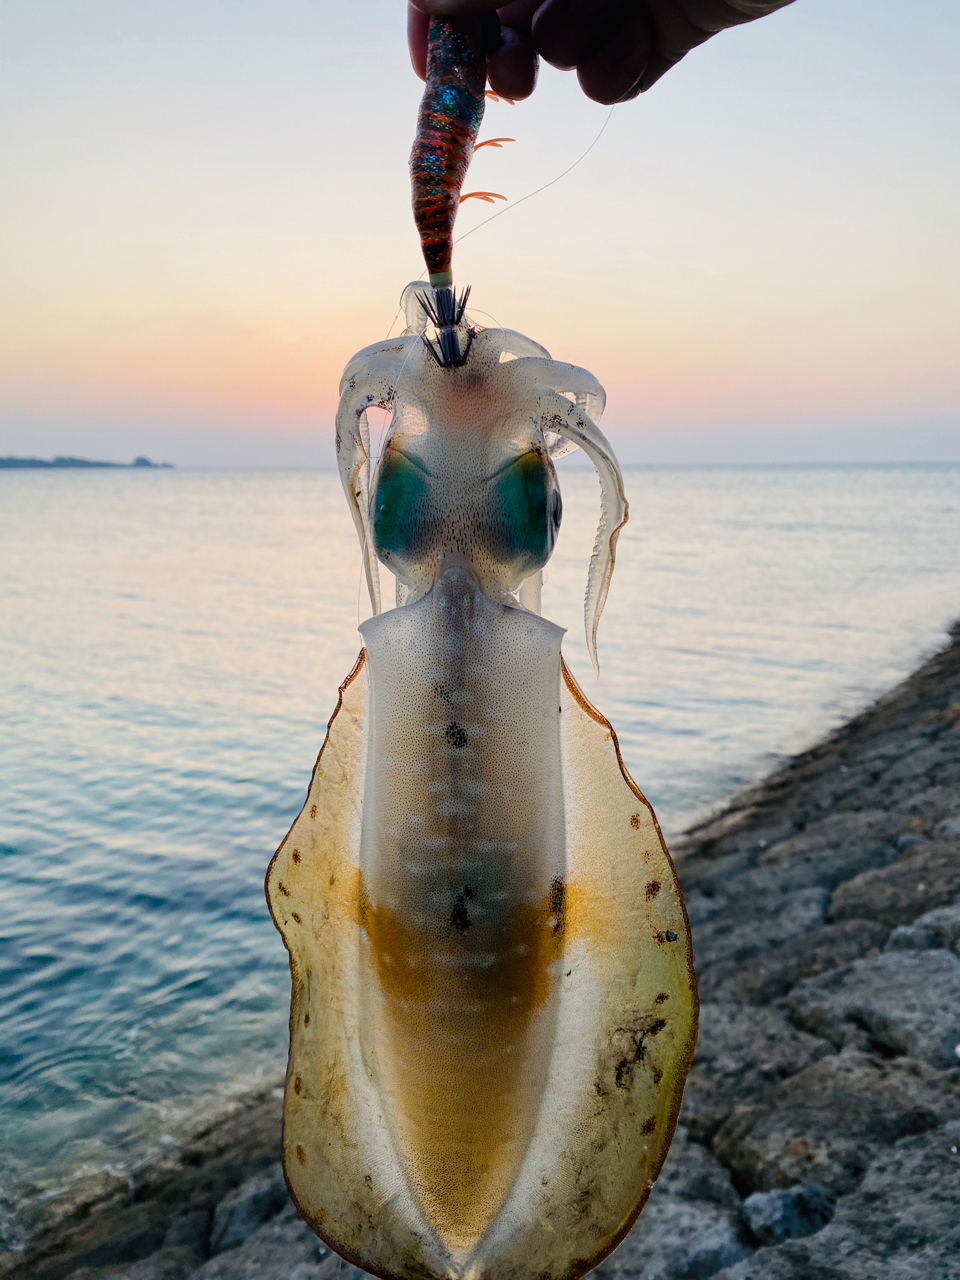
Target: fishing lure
493	1006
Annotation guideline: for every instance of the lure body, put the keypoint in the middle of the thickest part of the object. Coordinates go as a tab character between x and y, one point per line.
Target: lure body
450	114
493	1002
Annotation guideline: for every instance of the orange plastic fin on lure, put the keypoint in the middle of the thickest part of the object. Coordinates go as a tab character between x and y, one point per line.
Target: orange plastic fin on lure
488	196
498	97
493	142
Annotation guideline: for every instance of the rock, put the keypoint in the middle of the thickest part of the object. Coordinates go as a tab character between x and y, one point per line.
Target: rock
921	879
189	1230
744	929
842	1259
741	1053
675	1240
905	1001
900	1224
241	1212
910	937
691	1173
827	1123
910	1195
943	926
864	826
166	1264
835	849
282	1249
948	829
772	974
800	1210
708	876
925	760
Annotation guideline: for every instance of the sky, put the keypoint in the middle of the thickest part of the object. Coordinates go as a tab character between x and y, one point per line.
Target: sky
204	211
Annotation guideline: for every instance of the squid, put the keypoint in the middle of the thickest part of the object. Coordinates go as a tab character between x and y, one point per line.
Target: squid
493	1001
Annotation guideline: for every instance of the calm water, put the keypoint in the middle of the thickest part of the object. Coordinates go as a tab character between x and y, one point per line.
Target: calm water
171	648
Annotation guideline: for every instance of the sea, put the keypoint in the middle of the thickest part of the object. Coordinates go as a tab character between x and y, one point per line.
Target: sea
171	643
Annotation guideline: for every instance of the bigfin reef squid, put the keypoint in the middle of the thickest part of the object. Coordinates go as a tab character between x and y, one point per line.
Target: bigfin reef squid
493	1000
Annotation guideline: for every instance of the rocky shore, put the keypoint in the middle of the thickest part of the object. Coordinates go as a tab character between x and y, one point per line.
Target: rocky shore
820	1132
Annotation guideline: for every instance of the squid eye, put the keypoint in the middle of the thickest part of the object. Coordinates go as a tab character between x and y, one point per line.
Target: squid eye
527	515
556	511
400	505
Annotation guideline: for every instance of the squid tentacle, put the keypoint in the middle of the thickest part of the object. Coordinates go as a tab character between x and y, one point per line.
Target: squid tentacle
377	390
571	423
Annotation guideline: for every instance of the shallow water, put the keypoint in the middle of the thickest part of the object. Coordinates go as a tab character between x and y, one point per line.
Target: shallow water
171	648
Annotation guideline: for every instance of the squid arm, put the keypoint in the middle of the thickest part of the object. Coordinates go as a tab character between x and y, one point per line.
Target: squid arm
369	381
570	423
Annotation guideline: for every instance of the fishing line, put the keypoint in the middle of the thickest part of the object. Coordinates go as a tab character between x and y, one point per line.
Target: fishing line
529	196
546	185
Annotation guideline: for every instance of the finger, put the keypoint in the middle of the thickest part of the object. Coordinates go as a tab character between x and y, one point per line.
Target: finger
512	70
565	32
519	15
613	71
454	8
682	25
417	24
658	66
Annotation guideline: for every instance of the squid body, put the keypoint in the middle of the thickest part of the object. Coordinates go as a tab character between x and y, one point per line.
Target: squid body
493	1006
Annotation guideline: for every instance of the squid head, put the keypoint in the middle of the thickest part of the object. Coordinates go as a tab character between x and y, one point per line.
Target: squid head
493	1006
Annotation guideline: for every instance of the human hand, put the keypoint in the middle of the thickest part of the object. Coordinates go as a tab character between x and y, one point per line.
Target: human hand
619	47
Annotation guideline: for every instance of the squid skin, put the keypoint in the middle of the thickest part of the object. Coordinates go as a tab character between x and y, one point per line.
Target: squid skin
493	1006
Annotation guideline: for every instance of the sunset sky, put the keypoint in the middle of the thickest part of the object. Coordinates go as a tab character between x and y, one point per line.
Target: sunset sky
205	211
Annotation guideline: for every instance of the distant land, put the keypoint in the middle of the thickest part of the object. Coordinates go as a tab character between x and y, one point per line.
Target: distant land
16	464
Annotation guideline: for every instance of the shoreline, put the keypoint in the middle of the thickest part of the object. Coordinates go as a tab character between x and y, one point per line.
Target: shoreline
820	901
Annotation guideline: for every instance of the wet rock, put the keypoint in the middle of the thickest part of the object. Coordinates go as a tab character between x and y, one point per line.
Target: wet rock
796	1211
925	877
283	1249
773	974
903	1002
828	1123
241	1212
746	929
741	1053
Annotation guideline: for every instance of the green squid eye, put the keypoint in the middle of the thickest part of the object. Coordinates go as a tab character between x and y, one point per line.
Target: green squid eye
402	497
528	506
